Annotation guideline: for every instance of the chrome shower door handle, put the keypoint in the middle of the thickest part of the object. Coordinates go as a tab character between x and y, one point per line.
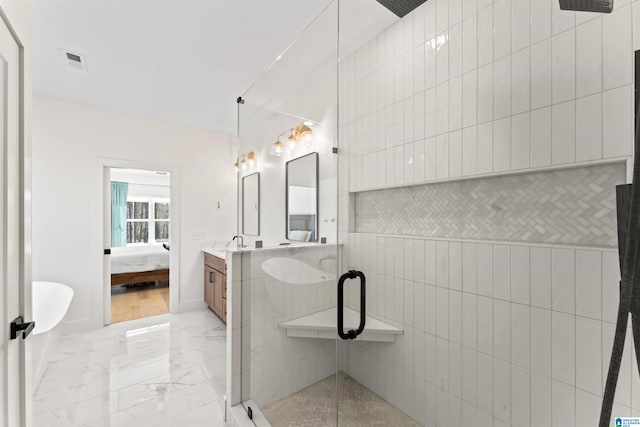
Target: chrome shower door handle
351	334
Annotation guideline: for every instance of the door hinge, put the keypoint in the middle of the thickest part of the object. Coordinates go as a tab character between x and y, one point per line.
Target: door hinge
19	325
107	251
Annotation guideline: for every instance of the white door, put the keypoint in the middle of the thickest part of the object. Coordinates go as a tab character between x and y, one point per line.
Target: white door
106	239
12	357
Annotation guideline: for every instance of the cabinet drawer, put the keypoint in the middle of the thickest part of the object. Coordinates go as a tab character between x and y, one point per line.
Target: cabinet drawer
215	263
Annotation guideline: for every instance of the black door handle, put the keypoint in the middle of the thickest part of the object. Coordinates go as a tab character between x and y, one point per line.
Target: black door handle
19	325
210	276
351	334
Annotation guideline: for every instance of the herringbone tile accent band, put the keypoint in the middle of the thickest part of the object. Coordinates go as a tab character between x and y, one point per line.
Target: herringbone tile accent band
570	206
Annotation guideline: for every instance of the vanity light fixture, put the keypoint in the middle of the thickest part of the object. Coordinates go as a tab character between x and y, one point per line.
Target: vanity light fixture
302	132
246	160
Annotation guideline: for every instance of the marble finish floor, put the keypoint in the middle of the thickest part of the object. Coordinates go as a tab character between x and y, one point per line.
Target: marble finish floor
315	406
166	370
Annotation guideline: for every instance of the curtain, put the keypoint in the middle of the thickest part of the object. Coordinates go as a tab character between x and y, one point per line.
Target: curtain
119	192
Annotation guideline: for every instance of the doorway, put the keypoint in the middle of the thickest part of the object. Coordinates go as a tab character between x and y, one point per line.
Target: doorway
140	243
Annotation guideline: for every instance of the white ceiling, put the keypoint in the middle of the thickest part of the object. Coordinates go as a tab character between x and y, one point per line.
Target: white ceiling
182	61
141	177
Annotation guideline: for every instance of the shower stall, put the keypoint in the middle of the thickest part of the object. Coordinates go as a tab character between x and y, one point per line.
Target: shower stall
295	368
429	238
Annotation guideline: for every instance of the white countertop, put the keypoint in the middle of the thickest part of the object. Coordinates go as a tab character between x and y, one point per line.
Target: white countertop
217	252
222	252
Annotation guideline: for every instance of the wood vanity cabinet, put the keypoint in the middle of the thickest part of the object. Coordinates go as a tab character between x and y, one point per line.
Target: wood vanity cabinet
215	285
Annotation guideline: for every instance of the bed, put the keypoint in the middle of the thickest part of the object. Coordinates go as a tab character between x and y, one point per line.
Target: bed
138	264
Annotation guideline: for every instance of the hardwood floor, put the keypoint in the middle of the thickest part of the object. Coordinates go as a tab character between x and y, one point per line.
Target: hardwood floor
138	302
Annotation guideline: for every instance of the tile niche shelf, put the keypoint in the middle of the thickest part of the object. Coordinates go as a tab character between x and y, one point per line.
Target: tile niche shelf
323	325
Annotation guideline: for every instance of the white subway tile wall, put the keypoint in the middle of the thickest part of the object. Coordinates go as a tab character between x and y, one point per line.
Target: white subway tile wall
541	332
436	73
497	334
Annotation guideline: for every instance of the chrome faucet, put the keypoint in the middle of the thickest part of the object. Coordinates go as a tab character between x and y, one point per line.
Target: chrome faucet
240	241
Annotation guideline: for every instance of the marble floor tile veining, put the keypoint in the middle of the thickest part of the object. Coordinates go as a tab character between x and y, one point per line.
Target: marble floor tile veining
166	370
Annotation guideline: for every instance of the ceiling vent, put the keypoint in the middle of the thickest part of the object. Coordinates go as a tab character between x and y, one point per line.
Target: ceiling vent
401	7
74	60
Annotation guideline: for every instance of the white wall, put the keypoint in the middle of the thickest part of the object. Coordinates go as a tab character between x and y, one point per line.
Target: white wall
258	132
71	143
272	178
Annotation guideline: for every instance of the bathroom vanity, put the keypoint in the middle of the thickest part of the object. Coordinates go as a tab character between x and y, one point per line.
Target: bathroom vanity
215	284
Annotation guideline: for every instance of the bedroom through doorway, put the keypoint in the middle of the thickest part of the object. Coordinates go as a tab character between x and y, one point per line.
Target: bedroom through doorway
140	243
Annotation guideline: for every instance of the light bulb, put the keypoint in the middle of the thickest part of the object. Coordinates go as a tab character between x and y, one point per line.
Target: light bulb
277	148
304	132
292	142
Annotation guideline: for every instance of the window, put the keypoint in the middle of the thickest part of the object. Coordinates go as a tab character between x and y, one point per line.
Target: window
161	221
147	221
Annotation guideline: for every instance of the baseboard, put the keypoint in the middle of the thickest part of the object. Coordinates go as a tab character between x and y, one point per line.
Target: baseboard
191	305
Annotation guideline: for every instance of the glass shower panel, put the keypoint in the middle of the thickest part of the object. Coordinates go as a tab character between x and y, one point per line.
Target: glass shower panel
304	142
288	135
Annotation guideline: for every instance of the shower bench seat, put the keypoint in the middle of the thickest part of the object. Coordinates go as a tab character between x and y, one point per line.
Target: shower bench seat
323	325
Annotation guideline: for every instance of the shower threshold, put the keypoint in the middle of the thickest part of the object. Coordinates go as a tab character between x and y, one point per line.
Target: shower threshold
315	406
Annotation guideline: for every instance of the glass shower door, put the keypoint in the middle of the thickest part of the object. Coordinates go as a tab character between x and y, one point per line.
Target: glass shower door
377	359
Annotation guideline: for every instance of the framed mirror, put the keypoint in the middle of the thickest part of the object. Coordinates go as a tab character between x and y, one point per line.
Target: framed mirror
251	204
302	198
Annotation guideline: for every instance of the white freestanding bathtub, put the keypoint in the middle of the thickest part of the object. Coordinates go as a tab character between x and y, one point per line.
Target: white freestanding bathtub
50	304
